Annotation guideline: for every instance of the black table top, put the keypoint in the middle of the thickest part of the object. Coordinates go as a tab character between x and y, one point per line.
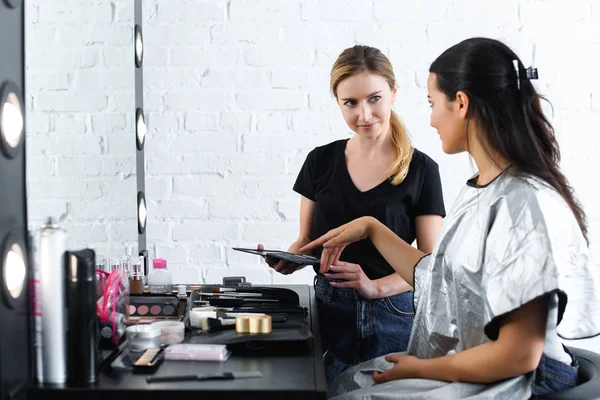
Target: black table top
297	373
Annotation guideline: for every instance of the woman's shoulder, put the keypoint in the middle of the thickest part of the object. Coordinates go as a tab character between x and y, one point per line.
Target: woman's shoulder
327	151
527	188
537	201
422	160
330	147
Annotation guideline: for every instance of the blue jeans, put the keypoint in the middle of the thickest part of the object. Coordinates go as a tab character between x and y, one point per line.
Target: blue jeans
355	329
554	376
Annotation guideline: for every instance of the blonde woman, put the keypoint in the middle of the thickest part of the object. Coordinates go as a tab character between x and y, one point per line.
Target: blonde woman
365	308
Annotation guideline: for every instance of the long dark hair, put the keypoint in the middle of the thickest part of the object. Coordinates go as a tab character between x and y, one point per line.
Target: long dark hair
509	116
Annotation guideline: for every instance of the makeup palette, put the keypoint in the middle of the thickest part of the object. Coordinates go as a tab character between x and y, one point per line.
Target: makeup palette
151	307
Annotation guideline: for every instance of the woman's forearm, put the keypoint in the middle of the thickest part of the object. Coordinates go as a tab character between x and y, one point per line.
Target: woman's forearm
485	363
517	350
295	247
391	285
399	254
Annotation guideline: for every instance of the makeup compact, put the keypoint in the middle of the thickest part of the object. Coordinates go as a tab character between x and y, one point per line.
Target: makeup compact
149	361
139	361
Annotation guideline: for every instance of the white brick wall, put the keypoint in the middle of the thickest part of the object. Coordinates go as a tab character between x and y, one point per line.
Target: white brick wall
236	94
80	147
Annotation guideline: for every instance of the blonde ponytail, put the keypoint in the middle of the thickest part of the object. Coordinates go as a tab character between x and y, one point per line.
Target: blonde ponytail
403	147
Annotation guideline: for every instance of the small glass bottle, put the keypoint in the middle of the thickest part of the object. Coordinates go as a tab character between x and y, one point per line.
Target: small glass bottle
101	265
136	276
126	265
115	263
159	279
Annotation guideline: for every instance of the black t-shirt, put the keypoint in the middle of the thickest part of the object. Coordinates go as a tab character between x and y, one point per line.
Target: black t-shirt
324	179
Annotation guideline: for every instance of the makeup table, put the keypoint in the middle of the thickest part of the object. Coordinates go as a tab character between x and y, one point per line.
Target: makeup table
296	374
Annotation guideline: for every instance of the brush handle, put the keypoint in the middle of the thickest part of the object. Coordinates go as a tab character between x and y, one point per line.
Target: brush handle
279	317
173	378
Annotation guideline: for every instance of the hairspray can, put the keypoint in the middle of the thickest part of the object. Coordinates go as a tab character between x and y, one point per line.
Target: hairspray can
50	273
83	335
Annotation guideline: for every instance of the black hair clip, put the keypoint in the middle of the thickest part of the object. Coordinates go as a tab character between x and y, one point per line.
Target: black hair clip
531	73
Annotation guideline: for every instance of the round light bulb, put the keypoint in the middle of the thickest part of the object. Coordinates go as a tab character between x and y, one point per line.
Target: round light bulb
12	120
141	129
142	213
15	271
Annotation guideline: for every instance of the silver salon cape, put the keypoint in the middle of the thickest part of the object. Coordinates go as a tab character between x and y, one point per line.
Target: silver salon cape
503	245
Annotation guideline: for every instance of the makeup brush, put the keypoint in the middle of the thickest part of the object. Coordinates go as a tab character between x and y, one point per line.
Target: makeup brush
220	289
217	324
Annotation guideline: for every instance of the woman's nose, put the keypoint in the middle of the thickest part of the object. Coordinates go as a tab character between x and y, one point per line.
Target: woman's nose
365	112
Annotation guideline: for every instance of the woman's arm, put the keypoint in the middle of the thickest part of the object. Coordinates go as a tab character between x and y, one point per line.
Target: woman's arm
307	209
390	285
517	351
399	254
427	229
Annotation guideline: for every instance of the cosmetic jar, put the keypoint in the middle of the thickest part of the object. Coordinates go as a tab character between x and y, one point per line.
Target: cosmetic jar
143	337
171	332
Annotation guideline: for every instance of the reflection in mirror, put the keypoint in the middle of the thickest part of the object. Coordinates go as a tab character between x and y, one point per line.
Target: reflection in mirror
81	121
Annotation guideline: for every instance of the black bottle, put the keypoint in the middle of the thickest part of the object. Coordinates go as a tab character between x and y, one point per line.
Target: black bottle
83	335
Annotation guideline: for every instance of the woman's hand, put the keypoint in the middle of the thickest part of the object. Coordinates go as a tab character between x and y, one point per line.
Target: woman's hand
282	266
335	240
353	277
406	367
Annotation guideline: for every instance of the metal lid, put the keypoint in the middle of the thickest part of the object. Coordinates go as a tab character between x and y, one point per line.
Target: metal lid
50	223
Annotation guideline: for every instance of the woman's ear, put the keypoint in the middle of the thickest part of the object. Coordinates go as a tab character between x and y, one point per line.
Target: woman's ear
394	91
462	102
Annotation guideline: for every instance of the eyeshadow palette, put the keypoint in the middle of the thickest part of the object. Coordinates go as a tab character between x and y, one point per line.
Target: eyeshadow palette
153	306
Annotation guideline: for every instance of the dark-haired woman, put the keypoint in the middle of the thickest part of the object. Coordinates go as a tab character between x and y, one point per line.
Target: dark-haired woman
491	299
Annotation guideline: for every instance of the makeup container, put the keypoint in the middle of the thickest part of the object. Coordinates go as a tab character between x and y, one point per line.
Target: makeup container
136	276
101	265
171	332
146	257
159	280
115	263
142	337
51	323
181	292
153	306
126	265
83	336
